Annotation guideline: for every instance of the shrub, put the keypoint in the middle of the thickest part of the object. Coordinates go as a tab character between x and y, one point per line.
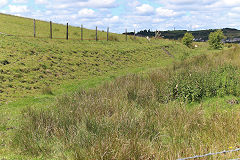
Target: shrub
215	39
188	39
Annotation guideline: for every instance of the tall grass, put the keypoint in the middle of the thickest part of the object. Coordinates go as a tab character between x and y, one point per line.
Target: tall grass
139	117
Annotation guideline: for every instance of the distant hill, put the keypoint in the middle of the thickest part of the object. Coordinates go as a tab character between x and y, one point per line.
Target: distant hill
233	35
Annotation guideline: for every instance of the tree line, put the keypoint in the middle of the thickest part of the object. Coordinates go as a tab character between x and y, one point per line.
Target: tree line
200	35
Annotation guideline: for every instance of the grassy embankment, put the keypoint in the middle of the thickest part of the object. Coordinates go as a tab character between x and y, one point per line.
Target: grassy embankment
137	116
35	71
19	26
187	109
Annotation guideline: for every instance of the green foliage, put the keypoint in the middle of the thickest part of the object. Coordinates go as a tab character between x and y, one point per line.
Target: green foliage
133	117
194	85
215	39
137	114
188	39
199	35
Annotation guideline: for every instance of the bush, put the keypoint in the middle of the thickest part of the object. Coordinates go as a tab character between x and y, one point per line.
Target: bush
215	39
188	39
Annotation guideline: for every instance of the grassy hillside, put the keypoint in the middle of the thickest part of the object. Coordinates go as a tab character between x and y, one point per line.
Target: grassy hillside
30	66
190	108
130	117
24	27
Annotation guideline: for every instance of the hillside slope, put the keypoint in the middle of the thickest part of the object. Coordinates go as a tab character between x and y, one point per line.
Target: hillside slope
21	26
35	67
29	66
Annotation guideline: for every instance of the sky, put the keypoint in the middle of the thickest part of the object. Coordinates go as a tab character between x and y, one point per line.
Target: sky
131	14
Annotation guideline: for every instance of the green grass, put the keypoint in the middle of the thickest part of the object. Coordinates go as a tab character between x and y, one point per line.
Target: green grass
129	118
38	72
24	27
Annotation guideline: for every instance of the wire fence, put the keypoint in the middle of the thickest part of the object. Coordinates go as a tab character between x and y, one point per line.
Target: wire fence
210	154
40	29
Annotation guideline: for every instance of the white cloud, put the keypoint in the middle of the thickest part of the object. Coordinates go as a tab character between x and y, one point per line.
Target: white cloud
230	2
163	12
20	1
41	1
113	19
18	9
158	20
134	3
97	3
145	9
63	4
86	13
3	2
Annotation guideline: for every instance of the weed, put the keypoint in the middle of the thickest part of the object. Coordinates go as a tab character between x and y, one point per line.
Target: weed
137	117
145	116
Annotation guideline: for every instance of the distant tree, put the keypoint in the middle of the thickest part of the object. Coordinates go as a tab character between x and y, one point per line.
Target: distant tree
188	39
215	39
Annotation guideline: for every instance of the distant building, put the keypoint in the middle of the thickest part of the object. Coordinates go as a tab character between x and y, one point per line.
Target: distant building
232	40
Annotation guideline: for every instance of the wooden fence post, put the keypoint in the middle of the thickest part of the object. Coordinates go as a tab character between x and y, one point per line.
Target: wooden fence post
67	32
107	33
82	32
126	34
34	28
96	33
51	29
134	34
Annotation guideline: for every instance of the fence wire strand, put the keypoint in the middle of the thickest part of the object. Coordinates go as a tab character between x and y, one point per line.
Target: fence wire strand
210	154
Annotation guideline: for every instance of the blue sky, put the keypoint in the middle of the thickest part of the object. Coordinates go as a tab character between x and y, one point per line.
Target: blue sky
131	14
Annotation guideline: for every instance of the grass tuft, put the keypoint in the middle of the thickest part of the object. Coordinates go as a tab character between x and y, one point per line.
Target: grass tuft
139	116
47	90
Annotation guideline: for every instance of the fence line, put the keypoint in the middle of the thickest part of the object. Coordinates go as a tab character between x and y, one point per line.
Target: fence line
81	37
67	33
210	154
88	39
